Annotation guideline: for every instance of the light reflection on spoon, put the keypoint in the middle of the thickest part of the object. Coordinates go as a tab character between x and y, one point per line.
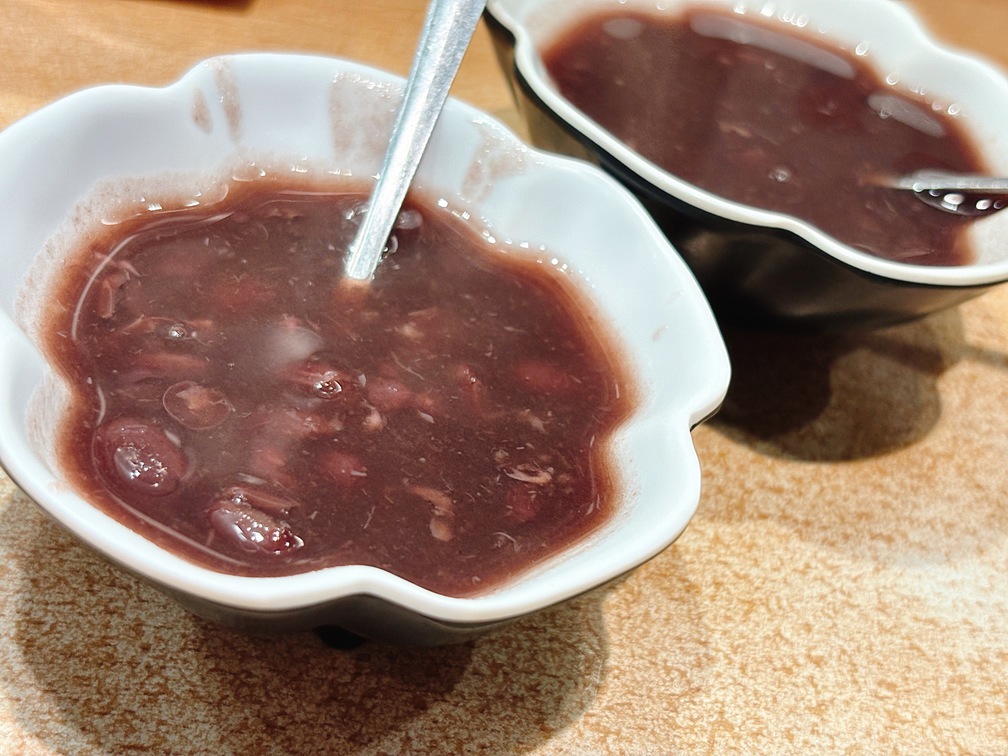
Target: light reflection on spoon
448	28
956	193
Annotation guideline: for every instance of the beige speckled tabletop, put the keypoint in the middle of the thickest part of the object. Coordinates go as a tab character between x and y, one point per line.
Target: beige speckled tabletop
842	587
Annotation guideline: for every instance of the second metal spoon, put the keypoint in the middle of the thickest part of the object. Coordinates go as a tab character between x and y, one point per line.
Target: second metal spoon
956	193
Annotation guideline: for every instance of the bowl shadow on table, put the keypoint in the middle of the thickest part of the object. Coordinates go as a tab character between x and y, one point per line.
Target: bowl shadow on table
123	668
837	413
838	396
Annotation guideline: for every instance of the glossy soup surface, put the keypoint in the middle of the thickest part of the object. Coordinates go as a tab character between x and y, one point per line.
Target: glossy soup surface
241	404
771	116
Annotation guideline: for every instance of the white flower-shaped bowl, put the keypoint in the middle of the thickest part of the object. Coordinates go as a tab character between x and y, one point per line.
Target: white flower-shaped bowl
762	266
110	147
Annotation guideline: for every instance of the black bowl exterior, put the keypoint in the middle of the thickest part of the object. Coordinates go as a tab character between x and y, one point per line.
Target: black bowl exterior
752	275
362	616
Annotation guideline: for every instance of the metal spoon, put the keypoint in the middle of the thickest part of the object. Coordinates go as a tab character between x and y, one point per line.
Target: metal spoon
447	30
957	193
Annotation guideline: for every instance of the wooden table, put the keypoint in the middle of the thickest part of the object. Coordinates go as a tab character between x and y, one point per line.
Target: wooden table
842	587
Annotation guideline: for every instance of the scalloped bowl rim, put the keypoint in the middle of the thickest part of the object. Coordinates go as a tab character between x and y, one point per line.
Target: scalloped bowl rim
972	67
21	365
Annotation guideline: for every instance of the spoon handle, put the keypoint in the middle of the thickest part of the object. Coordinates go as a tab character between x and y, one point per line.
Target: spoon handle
447	30
933	181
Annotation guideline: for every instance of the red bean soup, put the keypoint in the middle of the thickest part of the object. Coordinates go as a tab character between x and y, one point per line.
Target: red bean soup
240	403
774	117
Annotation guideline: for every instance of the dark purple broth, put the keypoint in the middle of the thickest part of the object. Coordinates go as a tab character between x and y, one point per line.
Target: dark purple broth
242	405
770	116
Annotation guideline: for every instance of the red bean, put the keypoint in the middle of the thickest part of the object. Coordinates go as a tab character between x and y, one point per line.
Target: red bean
321	378
388	394
108	293
233	516
138	456
165	365
196	406
542	377
522	503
